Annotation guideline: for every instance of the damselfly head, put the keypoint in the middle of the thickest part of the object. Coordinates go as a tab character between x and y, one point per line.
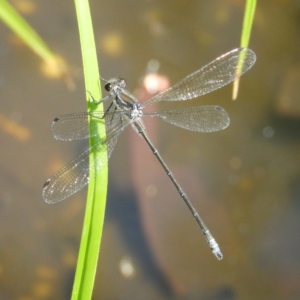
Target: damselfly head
115	84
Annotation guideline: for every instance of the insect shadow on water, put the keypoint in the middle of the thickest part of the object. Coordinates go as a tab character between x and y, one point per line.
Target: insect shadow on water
125	110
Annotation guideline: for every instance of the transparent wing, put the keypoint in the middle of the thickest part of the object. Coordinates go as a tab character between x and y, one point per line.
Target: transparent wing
75	175
75	126
198	118
214	75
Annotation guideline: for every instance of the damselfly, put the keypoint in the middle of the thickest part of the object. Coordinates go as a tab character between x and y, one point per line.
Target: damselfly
125	110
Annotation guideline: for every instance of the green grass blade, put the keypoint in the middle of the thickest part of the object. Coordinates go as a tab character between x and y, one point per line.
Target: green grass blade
24	31
95	207
17	24
248	21
245	38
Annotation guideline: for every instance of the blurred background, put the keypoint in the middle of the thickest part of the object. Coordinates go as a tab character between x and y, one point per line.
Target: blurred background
244	181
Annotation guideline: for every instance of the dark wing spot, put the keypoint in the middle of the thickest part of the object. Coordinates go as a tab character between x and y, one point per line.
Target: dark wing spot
46	183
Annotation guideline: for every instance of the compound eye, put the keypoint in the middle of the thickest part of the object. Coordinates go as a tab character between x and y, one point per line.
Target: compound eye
108	87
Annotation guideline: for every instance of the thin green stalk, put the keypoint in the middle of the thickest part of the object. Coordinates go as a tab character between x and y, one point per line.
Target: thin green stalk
17	24
245	37
24	31
248	21
95	207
